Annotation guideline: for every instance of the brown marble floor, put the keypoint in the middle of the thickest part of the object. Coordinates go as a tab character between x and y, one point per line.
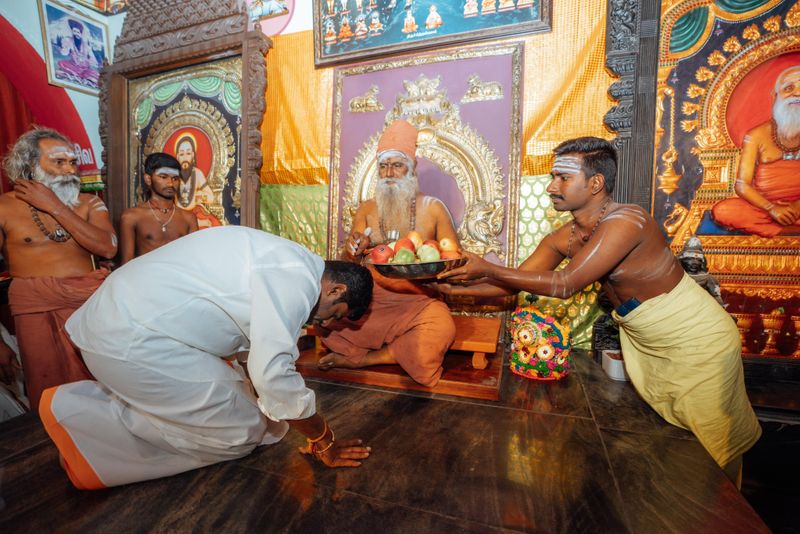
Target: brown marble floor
581	455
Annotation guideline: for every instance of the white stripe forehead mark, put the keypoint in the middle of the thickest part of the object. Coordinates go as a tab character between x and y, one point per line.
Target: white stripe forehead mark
167	170
567	164
60	151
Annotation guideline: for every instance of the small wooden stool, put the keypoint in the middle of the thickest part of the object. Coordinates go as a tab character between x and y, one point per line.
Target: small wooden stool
479	335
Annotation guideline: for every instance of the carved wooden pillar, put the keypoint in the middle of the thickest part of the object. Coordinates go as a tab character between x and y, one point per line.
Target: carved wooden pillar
632	55
159	36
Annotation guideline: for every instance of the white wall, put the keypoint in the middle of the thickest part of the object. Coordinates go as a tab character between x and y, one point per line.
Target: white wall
24	16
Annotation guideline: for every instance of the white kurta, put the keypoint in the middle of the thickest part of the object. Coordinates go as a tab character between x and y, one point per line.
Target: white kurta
155	334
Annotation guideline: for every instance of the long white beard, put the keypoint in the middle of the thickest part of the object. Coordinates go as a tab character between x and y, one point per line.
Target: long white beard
787	117
66	187
394	202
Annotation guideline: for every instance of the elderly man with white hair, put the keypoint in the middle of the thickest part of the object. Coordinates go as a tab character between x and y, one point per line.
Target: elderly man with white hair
768	181
405	324
49	232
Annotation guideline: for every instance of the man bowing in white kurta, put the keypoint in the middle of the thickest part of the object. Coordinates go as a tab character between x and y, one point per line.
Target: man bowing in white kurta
158	336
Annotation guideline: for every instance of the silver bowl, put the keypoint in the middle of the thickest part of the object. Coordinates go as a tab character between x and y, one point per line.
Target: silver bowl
417	271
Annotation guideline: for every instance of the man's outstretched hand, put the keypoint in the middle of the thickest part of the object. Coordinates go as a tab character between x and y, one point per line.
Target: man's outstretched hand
344	453
475	268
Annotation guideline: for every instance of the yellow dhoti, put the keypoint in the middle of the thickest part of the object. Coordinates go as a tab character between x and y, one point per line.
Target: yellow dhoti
683	354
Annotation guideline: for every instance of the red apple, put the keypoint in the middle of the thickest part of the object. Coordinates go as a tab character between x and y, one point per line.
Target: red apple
405	242
381	254
433	243
450	255
448	244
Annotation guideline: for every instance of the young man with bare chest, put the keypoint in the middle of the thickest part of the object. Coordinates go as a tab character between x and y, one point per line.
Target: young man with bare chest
157	220
681	349
49	232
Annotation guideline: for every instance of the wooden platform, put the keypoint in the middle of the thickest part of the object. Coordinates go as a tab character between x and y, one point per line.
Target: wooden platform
476	339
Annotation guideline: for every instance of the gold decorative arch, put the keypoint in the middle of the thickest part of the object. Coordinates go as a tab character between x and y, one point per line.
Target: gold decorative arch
207	118
453	146
457	148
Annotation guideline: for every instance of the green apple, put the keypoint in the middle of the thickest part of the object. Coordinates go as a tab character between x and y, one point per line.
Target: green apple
404	255
428	253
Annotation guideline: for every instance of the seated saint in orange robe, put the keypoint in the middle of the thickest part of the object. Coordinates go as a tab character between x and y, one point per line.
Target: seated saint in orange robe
768	179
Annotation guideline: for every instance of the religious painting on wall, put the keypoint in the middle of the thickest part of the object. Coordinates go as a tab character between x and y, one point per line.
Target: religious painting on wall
728	156
346	30
258	10
111	7
75	46
471	164
193	113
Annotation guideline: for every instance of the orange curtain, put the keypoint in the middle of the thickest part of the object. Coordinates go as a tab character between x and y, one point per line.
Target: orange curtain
564	95
15	119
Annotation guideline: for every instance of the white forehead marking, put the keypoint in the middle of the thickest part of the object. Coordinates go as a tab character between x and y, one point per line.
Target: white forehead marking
567	164
61	152
167	170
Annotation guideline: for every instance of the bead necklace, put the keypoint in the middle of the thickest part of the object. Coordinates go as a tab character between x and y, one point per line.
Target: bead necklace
162	210
412	218
788	153
586	237
59	234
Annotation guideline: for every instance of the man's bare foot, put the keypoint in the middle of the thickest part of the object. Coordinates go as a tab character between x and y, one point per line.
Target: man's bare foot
334	359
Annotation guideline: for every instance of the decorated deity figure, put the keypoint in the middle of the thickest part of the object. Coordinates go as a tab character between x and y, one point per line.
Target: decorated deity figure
694	263
506	5
331	7
409	24
330	32
361	27
434	20
345	33
375	24
488	7
470	8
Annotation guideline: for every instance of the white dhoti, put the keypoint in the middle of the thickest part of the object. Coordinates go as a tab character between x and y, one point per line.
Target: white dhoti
162	409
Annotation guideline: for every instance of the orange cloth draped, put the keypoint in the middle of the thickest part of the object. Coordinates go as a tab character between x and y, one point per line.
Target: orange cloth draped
417	329
776	181
40	307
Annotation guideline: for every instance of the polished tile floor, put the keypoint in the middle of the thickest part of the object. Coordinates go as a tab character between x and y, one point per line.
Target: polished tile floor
581	455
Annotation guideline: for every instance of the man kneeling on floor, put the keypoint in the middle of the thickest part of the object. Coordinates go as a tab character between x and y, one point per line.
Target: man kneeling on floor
160	340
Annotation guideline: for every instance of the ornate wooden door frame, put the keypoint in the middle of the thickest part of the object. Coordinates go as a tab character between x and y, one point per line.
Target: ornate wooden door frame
159	36
632	56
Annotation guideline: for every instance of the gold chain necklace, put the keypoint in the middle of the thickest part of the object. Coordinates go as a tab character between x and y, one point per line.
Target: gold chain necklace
162	223
59	234
587	237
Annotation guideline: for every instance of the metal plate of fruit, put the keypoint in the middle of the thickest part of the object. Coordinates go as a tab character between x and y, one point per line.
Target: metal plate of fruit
419	270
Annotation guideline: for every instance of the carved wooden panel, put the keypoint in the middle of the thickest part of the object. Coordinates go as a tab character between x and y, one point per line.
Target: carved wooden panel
161	36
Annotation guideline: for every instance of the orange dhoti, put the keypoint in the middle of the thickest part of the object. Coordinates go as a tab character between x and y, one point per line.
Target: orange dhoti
416	329
778	181
40	307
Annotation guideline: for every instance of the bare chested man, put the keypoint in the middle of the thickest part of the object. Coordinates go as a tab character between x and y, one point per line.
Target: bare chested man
681	349
49	232
405	325
768	179
157	220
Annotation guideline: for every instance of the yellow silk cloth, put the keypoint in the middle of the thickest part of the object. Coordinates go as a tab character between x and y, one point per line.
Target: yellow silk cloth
566	97
683	354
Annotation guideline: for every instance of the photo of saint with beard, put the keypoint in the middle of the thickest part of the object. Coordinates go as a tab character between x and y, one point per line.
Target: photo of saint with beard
194	192
768	179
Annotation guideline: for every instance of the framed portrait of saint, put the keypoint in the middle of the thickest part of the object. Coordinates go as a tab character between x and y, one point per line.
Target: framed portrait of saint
348	30
75	46
194	114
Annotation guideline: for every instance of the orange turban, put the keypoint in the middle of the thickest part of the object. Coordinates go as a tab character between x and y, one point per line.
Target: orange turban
400	135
